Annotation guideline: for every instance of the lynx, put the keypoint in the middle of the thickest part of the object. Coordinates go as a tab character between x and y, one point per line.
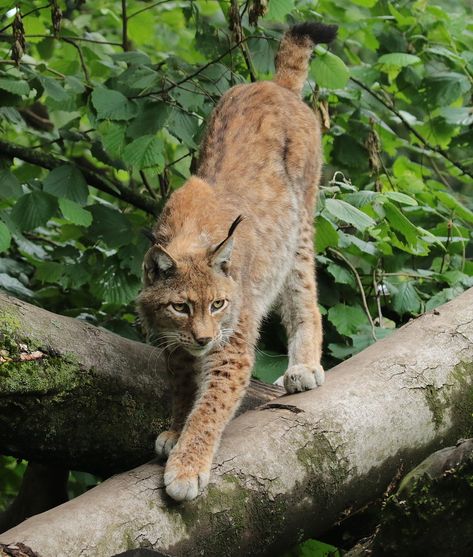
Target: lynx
234	241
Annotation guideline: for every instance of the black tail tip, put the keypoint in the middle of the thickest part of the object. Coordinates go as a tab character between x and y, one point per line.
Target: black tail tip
317	32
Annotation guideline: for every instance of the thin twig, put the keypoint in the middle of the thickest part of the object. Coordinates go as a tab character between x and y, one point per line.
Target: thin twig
449	239
94	176
147	185
439	173
179	159
124	27
81	58
26	14
420	137
150	7
378	298
44	36
360	286
22	63
190	76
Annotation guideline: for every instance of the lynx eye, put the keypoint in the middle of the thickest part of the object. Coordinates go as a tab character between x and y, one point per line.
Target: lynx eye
181	308
218	305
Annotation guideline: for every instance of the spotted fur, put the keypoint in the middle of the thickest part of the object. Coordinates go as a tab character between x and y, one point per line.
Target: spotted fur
238	235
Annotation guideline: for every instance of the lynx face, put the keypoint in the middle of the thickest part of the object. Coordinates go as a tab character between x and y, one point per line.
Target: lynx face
190	303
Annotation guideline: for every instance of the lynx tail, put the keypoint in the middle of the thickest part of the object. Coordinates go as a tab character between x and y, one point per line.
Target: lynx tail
292	60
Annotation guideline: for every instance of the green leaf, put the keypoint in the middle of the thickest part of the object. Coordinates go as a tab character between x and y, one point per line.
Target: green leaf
325	234
401	223
53	89
400	198
269	366
341	274
313	548
442	297
329	70
406	299
5	237
449	201
49	271
13	285
344	211
443	88
361	198
74	213
33	209
278	9
110	225
116	287
398	59
365	3
184	127
67	181
144	152
347	319
15	86
9	185
113	137
461	116
112	105
150	118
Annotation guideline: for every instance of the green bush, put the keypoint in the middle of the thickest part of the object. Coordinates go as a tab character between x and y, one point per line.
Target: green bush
101	120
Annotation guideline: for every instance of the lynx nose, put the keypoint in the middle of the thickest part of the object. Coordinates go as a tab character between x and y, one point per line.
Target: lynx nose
203	341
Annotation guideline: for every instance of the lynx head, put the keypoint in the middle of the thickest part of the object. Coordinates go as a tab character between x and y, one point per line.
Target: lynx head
189	300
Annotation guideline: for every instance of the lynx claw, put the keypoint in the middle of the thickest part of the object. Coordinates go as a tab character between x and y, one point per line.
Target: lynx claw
301	377
165	443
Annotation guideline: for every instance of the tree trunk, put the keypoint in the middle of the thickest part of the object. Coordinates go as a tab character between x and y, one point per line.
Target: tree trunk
293	467
78	396
432	512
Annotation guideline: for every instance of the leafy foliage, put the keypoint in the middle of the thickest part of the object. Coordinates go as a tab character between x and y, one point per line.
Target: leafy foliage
85	103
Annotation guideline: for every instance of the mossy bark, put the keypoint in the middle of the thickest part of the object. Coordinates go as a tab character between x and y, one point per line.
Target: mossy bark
432	512
290	469
79	397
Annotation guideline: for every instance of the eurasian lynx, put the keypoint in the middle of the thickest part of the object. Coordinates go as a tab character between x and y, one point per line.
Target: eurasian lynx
234	241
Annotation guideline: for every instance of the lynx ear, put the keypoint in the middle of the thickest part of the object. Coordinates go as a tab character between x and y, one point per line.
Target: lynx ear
157	263
220	257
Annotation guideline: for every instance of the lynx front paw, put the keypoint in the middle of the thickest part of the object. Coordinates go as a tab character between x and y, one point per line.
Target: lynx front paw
303	378
184	483
165	442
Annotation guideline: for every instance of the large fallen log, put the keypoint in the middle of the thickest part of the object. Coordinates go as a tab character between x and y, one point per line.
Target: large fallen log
78	396
291	468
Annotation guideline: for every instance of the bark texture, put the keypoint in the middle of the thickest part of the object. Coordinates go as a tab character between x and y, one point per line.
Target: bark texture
432	512
77	396
291	468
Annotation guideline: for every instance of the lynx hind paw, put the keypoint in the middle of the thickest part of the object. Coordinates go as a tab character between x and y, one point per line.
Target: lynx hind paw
165	443
300	378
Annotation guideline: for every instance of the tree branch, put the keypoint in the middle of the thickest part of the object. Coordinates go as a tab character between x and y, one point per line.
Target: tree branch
93	176
82	375
419	136
286	471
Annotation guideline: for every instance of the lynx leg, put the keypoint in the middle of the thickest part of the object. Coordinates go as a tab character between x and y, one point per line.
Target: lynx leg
301	318
182	377
226	378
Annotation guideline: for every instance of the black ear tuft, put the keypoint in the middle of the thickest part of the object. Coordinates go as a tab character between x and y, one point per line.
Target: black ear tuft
317	32
231	230
235	223
147	233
